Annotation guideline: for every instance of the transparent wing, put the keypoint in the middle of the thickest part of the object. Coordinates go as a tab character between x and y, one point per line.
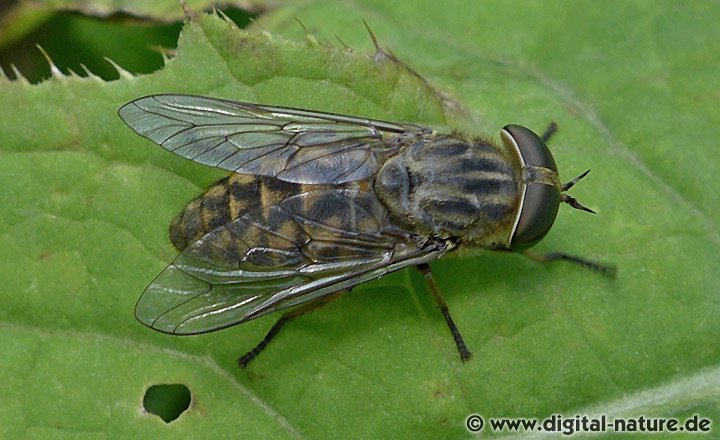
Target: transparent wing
307	246
291	144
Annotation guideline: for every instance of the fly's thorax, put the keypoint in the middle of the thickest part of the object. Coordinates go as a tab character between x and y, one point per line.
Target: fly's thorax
448	187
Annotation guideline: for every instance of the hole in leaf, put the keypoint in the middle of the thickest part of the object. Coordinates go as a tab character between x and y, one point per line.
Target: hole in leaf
167	401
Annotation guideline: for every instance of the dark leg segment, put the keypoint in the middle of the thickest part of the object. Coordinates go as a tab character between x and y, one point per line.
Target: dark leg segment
284	319
552	128
459	342
606	269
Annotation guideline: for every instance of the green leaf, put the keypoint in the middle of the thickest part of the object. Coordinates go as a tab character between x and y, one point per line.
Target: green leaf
86	205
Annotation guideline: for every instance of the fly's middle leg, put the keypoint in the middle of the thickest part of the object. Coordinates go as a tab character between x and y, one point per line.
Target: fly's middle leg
457	337
280	323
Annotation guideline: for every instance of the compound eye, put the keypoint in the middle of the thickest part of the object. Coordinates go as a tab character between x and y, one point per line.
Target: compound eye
529	147
540	202
537	215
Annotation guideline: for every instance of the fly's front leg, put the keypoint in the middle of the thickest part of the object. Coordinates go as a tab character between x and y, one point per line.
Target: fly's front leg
609	270
549	132
280	323
457	337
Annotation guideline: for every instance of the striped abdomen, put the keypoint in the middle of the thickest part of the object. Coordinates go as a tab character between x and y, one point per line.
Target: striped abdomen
224	202
447	187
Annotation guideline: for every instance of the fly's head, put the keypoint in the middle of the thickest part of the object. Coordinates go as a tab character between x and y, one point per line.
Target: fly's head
540	191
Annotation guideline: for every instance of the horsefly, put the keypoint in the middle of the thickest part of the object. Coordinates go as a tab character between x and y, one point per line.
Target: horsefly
318	203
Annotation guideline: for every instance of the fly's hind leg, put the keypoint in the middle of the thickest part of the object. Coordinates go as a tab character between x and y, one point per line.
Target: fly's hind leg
284	319
607	269
457	337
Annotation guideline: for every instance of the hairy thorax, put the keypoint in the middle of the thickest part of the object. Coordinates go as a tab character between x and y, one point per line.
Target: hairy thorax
449	188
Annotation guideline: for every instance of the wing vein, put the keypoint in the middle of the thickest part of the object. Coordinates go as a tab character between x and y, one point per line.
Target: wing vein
176	121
